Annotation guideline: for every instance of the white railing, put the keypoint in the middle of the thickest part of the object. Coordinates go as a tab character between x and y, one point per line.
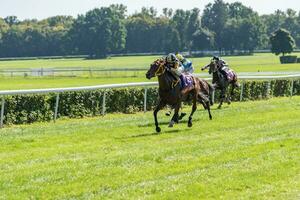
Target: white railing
91	71
111	86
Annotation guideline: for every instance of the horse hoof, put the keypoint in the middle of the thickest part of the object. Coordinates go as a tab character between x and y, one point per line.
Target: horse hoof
210	118
229	103
171	124
219	107
190	124
158	129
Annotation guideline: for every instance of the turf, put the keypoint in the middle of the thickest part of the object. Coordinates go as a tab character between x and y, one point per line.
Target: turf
259	62
18	83
249	151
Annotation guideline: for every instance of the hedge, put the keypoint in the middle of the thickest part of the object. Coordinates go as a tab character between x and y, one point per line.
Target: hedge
36	108
288	59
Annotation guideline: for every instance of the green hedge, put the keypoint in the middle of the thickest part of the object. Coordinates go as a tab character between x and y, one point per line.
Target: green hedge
288	59
36	108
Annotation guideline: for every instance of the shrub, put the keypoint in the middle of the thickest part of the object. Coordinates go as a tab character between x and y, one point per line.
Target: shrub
22	109
288	59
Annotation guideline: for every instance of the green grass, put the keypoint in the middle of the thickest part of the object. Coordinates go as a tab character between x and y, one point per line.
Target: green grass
57	82
259	62
249	151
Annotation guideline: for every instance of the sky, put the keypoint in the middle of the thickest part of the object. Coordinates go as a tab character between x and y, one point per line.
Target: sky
40	9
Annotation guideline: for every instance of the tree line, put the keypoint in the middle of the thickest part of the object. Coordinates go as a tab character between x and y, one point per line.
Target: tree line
220	26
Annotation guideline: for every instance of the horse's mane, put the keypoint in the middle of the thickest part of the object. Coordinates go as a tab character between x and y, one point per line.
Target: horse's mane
159	61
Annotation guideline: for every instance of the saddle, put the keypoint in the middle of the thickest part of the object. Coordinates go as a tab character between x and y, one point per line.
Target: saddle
229	73
187	80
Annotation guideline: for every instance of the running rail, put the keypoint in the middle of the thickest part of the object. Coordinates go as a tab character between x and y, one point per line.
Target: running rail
144	85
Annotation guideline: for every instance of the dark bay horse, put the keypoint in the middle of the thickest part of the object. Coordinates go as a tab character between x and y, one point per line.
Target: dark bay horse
221	82
170	92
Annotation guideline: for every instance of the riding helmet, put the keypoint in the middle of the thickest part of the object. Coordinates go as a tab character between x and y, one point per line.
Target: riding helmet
171	58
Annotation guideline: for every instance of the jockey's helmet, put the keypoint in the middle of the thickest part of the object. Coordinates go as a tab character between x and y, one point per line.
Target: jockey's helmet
171	58
180	57
216	58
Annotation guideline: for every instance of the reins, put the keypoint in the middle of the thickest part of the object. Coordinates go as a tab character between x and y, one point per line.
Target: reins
160	70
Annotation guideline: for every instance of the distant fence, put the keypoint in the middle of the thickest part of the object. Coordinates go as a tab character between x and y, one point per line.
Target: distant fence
72	71
144	85
96	71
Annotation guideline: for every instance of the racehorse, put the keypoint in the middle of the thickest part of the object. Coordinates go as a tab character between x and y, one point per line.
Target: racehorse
170	92
221	82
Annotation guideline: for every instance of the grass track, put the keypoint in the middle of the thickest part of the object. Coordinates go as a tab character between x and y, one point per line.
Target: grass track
249	151
259	62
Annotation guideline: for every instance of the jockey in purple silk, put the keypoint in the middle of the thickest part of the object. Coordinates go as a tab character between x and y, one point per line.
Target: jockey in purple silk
222	65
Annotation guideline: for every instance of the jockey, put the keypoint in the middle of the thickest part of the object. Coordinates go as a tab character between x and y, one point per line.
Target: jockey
222	65
186	65
173	64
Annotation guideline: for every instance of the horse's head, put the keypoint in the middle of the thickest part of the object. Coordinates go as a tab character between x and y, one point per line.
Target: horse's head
213	67
157	68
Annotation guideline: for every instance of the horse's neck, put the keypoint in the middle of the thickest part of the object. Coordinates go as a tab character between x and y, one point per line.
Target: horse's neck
164	82
216	77
216	74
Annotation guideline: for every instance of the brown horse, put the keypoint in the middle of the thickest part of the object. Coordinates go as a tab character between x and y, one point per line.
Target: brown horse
170	92
221	82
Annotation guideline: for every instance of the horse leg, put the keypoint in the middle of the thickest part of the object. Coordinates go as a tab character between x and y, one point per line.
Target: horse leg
230	95
205	101
208	110
175	116
158	108
194	108
232	92
222	97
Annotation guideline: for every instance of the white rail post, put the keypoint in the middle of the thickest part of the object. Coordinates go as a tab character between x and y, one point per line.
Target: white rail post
2	112
292	87
56	107
145	100
242	90
103	103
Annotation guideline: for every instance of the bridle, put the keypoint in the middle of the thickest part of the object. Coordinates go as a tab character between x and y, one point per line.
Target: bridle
214	65
161	69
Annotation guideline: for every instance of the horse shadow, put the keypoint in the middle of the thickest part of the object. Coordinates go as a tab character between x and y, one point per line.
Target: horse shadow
157	134
167	123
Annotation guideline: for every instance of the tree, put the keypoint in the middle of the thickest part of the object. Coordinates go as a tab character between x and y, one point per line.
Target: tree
282	42
13	42
100	31
140	33
214	18
11	20
202	39
194	24
238	10
180	22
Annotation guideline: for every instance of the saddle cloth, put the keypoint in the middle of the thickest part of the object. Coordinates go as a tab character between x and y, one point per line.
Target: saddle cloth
229	73
187	80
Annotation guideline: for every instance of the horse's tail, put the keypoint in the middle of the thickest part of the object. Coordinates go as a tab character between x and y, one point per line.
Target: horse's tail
235	80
